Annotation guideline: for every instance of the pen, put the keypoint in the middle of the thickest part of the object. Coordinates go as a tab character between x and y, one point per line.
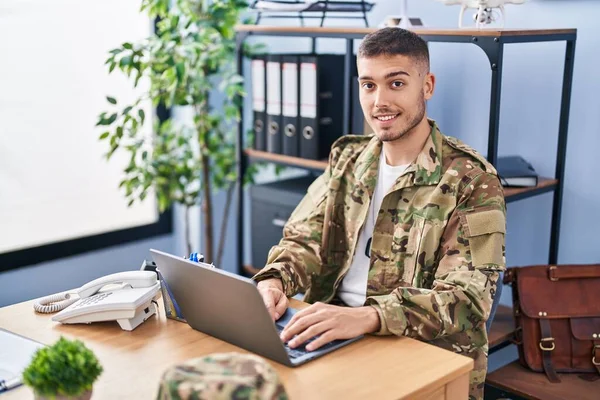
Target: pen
7	384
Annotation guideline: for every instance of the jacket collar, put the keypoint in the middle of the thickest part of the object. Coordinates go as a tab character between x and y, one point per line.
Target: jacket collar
426	169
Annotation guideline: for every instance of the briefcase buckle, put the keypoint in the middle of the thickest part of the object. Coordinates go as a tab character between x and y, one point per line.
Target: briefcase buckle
551	276
549	339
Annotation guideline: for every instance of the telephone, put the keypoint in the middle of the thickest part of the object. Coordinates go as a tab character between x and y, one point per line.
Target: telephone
128	297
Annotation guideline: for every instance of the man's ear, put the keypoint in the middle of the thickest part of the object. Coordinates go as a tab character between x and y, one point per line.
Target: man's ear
428	86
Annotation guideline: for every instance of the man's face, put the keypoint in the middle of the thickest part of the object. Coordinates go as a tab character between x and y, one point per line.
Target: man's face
393	91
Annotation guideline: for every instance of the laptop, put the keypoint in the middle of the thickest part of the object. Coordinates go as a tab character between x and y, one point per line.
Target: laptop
229	307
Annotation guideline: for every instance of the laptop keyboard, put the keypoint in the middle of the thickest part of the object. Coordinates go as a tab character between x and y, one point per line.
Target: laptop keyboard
299	350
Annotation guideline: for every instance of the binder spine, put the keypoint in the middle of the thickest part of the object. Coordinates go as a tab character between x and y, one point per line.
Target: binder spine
290	105
274	97
309	108
259	102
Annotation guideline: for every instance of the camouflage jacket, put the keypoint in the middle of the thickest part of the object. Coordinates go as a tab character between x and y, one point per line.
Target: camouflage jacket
437	248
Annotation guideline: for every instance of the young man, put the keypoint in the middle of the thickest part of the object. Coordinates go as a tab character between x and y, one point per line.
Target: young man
406	226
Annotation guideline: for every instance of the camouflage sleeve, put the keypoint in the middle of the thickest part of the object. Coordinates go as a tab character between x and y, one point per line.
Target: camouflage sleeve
471	257
299	249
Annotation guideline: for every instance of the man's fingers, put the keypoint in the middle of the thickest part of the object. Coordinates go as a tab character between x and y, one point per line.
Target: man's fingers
269	300
281	306
302	313
310	333
326	337
295	328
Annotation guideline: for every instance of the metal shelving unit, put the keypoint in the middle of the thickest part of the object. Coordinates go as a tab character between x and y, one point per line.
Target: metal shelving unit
492	43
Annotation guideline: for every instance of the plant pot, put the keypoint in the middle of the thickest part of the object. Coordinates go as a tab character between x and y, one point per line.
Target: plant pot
83	396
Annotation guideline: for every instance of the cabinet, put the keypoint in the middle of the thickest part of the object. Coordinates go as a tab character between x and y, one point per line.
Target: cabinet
492	42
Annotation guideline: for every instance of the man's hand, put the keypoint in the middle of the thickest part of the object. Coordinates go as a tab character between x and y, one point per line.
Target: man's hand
276	301
331	323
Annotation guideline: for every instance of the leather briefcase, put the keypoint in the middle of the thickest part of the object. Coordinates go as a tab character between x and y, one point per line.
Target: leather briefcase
557	317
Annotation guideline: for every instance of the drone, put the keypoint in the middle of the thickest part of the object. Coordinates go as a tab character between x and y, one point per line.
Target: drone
486	13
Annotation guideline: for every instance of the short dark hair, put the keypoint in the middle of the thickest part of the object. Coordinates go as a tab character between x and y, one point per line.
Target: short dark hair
390	41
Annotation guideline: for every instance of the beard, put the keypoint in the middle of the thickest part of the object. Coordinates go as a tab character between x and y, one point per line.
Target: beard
404	125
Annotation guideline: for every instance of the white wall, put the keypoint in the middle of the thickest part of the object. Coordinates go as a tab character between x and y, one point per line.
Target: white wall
56	276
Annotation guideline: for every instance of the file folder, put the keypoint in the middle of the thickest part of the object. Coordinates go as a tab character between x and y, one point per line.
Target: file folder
309	146
274	129
290	97
259	102
321	105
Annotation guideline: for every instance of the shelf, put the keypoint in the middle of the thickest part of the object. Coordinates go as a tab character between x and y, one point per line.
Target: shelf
359	32
290	161
544	185
510	194
518	380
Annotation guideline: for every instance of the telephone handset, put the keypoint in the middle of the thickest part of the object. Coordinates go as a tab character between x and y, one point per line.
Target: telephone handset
127	297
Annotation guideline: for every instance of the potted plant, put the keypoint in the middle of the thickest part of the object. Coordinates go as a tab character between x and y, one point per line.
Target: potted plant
190	57
65	370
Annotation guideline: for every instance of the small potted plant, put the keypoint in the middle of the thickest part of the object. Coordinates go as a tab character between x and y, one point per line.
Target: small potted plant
65	370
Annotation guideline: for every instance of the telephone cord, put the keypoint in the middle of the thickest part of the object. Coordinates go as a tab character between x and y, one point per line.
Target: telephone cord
54	303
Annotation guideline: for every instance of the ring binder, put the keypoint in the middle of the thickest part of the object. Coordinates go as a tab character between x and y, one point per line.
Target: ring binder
259	101
289	88
304	112
308	132
321	105
274	140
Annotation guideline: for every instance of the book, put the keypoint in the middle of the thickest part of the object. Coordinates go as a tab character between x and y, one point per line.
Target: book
514	171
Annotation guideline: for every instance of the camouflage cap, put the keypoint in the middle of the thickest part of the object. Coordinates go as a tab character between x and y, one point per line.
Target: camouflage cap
222	376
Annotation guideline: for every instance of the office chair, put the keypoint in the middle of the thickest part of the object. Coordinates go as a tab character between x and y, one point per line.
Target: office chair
488	323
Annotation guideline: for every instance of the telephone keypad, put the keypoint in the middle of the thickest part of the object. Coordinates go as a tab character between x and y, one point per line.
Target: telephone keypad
93	299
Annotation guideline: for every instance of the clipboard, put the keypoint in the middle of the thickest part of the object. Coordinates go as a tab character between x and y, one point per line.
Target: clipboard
16	352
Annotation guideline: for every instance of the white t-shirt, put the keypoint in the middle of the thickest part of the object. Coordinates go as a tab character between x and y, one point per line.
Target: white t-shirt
353	288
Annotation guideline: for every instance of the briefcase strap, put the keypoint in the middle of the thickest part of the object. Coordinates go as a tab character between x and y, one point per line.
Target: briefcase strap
556	273
547	346
509	276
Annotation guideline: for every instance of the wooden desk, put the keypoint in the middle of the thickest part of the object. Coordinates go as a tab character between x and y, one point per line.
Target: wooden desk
133	362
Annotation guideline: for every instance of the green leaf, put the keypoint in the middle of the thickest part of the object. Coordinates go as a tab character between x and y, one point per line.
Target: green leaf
112	150
142	115
111	119
111	100
127	46
125	61
180	68
104	135
137	79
